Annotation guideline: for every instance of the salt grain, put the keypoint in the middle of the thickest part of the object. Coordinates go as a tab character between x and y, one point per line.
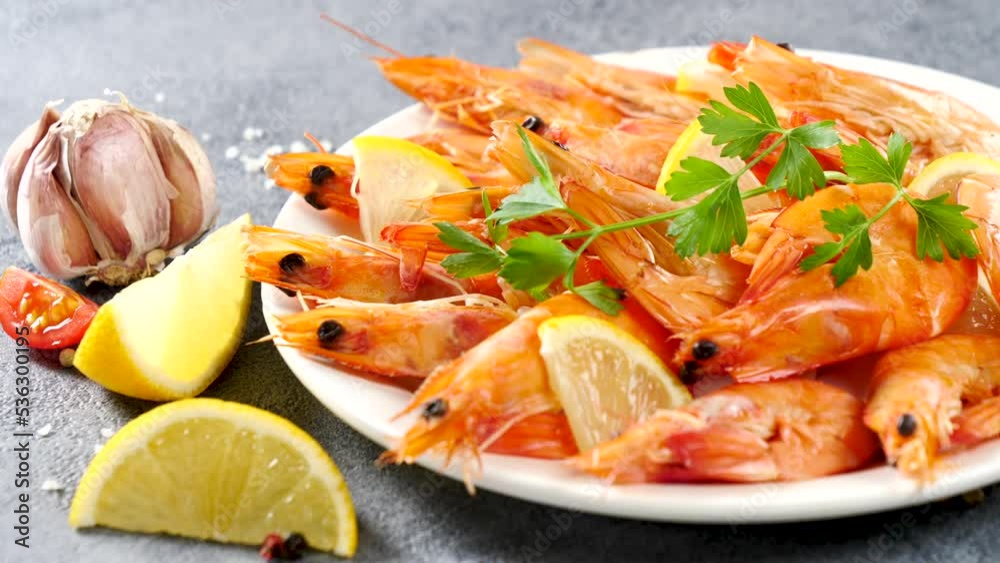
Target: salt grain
45	430
297	146
51	485
107	433
326	144
98	448
232	152
274	149
252	133
205	137
159	97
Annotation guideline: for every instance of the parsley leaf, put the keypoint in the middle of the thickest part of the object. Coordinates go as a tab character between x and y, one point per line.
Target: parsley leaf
866	164
854	247
498	232
478	258
942	224
530	200
471	264
545	178
712	224
753	101
798	170
696	176
534	261
602	296
818	135
740	134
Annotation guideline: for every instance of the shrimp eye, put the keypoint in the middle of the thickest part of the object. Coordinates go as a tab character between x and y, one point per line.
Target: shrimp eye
328	332
312	198
689	373
533	123
320	174
289	263
435	408
704	349
906	425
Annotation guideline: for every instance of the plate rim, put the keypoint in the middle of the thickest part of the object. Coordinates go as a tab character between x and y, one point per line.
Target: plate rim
551	483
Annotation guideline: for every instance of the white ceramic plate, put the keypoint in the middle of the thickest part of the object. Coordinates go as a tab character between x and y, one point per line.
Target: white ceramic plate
368	405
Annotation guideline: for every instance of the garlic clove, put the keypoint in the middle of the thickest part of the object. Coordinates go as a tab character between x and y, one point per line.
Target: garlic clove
187	168
52	231
118	183
16	159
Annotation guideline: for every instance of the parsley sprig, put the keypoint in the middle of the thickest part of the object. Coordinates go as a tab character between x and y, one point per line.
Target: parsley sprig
746	128
941	226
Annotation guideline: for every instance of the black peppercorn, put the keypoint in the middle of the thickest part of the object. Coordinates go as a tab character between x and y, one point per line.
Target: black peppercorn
295	544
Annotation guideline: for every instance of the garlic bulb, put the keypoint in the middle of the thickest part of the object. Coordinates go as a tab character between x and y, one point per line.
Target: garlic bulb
106	190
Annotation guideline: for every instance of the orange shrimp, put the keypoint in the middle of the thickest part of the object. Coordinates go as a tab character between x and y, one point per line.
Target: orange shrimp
981	194
475	95
777	431
789	321
323	179
638	92
875	107
682	294
934	396
631	198
636	157
466	204
322	266
407	339
470	403
466	149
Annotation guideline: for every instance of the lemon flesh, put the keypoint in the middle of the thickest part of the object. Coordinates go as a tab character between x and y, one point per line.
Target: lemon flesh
169	336
393	175
605	379
217	470
693	142
944	174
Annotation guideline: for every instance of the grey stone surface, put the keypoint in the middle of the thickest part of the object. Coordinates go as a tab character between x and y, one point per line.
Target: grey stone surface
224	65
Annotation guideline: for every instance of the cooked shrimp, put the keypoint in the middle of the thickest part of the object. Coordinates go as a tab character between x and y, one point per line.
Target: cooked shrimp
934	396
981	194
636	157
935	123
470	403
475	96
682	294
777	431
327	267
790	321
466	204
407	339
466	149
323	179
631	198
638	92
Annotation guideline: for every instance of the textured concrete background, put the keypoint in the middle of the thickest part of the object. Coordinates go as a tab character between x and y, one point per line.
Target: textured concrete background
224	65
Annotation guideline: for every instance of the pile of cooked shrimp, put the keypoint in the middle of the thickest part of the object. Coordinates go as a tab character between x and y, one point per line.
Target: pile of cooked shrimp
920	339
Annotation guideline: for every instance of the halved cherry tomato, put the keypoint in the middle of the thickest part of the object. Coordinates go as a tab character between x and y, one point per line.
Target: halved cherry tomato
47	314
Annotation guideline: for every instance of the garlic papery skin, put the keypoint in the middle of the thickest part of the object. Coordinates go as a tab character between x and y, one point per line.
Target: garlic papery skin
122	189
16	159
51	229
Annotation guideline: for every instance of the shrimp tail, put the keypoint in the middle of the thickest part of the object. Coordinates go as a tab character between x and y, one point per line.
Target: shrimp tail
977	423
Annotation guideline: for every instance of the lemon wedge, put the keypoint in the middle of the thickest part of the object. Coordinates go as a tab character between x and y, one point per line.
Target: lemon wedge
392	174
605	379
703	77
944	174
694	142
169	336
220	471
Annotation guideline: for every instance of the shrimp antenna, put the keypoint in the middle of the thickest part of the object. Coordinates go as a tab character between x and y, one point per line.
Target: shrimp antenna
362	35
315	141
